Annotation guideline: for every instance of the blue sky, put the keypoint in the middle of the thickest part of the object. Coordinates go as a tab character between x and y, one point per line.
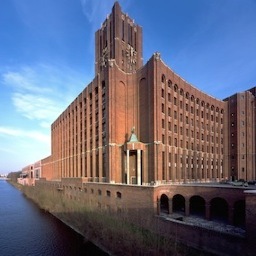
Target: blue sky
47	57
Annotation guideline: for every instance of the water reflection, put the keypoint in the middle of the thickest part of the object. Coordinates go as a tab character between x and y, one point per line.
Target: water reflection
27	230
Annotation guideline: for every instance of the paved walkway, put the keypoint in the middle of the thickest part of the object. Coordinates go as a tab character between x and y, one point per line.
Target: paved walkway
200	222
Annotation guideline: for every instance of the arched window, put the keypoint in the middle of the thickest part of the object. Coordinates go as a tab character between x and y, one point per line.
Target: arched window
118	194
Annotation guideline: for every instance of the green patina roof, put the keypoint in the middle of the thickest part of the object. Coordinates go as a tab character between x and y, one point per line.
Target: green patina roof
133	137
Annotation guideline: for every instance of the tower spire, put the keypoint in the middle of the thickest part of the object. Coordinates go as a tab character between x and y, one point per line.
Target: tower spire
119	39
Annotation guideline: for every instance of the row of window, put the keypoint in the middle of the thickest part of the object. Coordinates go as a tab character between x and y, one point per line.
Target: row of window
187	95
202	127
203	114
72	114
66	127
92	191
175	140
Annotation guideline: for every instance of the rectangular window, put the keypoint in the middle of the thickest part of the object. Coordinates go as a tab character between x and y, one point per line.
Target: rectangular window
170	140
162	108
169	97
163	123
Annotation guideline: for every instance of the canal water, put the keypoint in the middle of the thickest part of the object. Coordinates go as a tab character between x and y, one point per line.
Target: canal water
25	230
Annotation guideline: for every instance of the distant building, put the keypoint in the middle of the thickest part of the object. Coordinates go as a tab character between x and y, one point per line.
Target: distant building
30	174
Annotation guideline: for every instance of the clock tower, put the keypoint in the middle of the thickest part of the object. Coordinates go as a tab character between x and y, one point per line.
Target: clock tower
119	39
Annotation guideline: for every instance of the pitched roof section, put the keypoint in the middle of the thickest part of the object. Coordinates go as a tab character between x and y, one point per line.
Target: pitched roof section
133	137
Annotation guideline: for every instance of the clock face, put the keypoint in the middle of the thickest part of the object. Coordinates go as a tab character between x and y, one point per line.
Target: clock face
131	54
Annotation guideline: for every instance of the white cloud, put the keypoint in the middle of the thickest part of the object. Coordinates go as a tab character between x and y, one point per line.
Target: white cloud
34	135
25	79
43	91
36	106
96	10
20	147
38	94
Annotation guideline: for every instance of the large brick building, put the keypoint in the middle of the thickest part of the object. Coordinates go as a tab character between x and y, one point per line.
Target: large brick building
141	131
138	124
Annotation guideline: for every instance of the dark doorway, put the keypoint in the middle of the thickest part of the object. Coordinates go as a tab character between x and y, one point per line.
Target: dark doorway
239	214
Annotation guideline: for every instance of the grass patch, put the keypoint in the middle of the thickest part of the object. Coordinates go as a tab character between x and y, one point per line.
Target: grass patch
108	231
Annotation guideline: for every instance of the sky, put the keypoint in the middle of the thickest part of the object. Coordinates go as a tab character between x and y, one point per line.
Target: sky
47	57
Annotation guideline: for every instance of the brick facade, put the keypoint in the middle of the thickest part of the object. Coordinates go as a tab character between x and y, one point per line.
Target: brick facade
241	137
179	129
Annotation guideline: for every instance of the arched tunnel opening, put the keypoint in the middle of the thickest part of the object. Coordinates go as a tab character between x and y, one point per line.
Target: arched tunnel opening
164	204
178	205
